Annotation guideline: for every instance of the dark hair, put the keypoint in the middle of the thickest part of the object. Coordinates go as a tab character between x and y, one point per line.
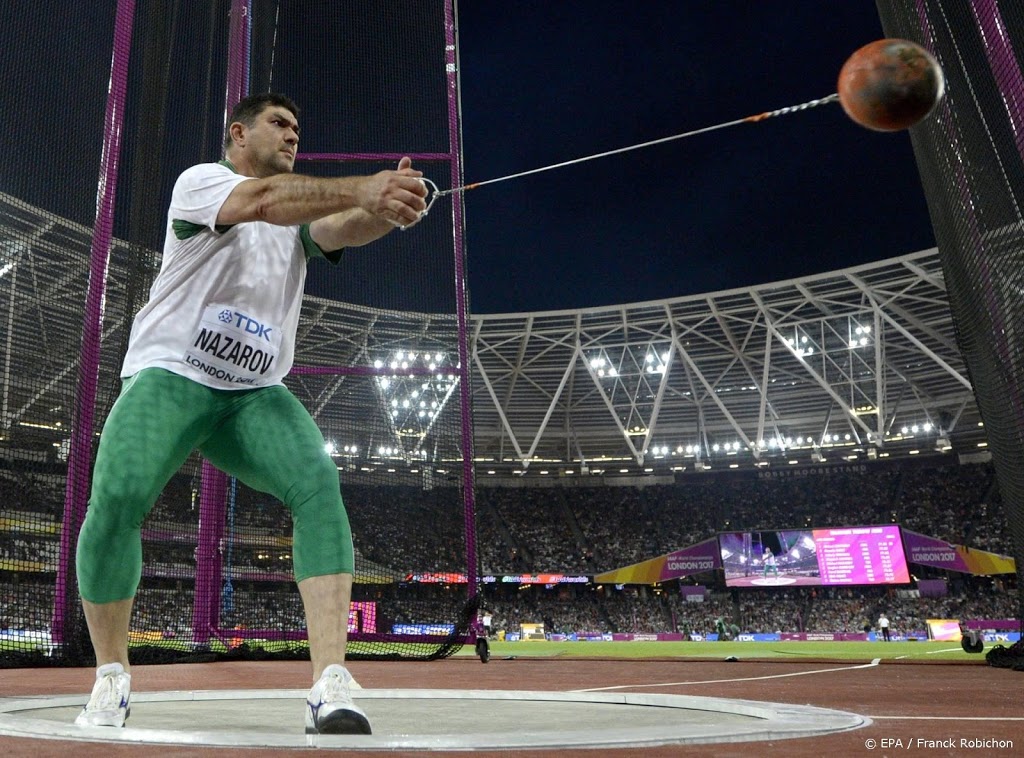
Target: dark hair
248	108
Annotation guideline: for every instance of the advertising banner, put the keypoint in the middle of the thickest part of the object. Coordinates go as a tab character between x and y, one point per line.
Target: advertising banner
531	631
417	629
932	587
944	629
362	616
1002	625
695	559
451	577
930	551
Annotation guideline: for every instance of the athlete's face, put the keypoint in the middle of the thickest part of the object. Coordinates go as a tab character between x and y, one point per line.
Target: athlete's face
273	140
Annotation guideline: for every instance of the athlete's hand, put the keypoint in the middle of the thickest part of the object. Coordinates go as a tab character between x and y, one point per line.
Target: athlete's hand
395	196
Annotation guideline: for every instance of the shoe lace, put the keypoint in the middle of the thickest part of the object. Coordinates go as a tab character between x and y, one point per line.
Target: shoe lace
335	690
106	696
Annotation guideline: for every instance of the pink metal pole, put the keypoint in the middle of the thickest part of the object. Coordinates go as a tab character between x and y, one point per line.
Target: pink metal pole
213	497
461	296
76	492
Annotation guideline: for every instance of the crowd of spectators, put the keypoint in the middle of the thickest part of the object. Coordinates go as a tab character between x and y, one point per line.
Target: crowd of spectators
700	618
586	530
580	530
858	609
562	611
590	529
580	610
33	492
26	606
593	529
26	553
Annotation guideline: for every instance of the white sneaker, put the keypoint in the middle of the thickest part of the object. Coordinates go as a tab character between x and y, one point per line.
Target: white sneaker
329	706
111	695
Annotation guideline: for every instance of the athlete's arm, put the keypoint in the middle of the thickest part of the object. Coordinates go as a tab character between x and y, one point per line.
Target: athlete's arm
356	226
388	197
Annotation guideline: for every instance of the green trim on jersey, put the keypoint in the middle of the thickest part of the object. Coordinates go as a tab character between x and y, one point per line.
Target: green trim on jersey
313	250
184	230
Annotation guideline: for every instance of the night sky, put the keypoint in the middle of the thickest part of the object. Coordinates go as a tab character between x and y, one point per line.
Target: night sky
544	82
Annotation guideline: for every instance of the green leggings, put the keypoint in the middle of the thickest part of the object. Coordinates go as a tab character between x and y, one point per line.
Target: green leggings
264	437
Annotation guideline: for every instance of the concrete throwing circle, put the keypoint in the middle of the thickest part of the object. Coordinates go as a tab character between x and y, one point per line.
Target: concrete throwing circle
432	720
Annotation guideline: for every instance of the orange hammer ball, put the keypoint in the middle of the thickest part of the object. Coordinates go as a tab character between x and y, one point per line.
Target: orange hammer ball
890	84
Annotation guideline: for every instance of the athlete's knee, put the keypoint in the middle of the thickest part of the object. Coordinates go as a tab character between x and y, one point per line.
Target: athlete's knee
120	502
313	485
113	522
318	510
322	538
315	493
108	558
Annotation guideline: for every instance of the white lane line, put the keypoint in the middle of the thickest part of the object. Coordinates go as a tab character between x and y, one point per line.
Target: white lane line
928	652
873	663
947	718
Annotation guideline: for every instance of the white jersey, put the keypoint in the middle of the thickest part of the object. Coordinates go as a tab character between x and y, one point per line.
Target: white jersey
224	308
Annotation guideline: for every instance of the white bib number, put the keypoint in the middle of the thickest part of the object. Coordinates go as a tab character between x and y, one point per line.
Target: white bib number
234	347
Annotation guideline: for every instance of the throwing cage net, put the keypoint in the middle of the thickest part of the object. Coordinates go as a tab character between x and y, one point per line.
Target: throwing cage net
970	153
141	91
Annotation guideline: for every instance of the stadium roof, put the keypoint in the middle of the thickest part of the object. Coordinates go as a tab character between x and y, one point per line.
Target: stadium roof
843	365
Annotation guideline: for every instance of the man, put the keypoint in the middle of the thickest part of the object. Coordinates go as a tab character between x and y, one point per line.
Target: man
769	563
204	369
883	625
